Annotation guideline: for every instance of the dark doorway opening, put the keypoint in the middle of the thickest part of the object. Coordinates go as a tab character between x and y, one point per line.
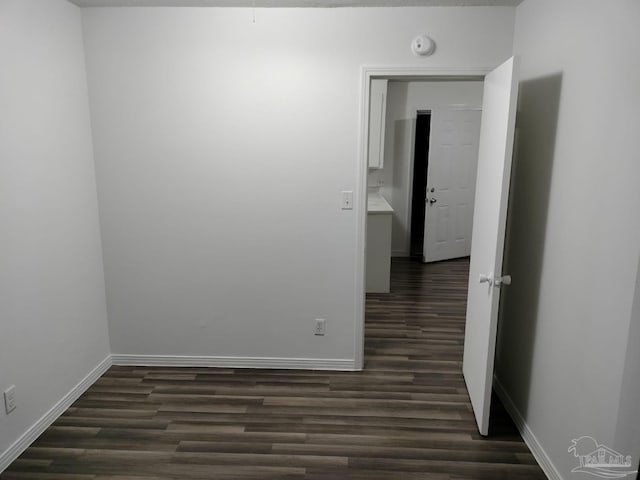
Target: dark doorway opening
419	195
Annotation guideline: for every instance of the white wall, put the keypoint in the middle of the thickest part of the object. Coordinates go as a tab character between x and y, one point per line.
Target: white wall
574	229
221	149
404	99
52	302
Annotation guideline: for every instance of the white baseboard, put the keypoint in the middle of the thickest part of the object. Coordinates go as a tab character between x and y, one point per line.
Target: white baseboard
527	435
235	362
48	418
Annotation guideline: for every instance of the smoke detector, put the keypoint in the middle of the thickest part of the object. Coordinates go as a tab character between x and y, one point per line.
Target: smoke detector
423	46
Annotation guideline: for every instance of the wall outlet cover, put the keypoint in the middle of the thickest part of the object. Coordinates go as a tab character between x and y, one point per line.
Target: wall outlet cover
10	399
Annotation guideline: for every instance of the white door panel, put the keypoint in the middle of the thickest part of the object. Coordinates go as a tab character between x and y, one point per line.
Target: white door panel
489	220
451	177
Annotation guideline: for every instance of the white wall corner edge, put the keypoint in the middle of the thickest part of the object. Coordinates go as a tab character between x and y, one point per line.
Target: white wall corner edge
28	437
527	434
235	362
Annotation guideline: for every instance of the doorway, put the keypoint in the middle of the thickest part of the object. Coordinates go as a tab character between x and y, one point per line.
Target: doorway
492	185
401	242
500	93
419	195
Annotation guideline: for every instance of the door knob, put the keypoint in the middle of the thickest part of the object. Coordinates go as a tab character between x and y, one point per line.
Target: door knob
432	201
503	280
486	278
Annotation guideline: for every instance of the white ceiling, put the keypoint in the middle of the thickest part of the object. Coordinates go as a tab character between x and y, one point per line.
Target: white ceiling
292	3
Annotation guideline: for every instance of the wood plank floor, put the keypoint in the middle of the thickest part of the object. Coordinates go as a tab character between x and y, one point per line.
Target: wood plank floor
407	416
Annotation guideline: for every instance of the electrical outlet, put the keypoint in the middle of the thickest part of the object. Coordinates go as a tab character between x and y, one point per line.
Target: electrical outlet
320	327
10	399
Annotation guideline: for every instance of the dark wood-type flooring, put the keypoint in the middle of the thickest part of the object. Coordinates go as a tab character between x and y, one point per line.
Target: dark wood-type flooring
406	416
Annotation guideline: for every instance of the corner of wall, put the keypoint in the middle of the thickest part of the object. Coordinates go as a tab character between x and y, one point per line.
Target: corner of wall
33	432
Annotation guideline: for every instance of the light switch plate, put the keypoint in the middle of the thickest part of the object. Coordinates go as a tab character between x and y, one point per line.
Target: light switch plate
347	200
320	327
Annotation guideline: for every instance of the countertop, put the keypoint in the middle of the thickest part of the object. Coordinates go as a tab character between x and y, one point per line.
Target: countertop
377	205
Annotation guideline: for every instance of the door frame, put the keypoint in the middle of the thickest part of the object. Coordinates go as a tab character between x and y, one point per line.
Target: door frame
392	73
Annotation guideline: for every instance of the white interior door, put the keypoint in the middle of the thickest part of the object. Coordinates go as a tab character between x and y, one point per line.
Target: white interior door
489	220
451	182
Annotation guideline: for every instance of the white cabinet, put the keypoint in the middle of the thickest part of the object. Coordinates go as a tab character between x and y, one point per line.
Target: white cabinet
377	116
378	244
378	253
